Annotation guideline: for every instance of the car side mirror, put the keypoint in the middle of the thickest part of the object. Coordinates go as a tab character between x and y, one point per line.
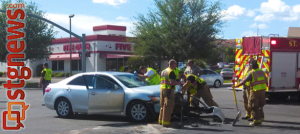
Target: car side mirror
116	87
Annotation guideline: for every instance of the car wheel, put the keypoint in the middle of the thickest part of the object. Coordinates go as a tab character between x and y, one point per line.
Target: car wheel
64	108
217	84
137	111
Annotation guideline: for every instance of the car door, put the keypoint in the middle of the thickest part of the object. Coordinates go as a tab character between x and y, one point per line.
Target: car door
103	97
77	92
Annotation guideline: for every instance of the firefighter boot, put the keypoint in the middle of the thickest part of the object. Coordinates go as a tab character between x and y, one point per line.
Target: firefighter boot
246	117
255	123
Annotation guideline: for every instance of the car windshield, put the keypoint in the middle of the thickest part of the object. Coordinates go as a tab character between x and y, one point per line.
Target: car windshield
130	81
227	70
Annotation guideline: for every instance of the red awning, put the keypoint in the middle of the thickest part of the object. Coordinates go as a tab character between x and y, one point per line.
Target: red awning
64	57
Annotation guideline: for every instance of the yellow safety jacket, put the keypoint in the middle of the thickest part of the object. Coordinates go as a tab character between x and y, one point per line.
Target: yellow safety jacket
193	90
48	73
259	81
165	81
246	74
176	71
153	79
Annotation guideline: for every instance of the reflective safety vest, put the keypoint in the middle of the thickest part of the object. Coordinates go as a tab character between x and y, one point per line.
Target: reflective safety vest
259	81
176	71
48	73
194	89
246	74
165	81
153	79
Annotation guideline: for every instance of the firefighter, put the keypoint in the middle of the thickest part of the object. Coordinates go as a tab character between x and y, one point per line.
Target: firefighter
167	94
198	88
45	77
258	85
246	94
150	75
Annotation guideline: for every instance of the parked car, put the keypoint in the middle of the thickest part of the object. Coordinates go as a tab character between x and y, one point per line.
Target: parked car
230	65
113	93
227	72
212	78
222	64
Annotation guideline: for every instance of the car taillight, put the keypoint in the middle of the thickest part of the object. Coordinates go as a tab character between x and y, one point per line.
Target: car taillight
47	89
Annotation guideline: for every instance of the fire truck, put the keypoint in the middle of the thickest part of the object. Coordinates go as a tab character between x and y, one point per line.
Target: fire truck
278	57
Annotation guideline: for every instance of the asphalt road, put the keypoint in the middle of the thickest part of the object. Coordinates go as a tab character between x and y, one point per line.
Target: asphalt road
280	117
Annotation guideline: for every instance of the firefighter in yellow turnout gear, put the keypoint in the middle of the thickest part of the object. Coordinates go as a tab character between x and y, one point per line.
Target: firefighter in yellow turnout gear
246	94
258	85
198	88
167	101
150	75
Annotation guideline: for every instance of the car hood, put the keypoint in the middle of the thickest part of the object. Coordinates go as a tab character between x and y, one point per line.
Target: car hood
148	89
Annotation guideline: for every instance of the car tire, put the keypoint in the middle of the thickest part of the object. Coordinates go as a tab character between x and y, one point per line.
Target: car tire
137	111
217	84
64	108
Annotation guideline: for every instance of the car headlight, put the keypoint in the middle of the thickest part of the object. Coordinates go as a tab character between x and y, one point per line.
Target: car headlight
154	98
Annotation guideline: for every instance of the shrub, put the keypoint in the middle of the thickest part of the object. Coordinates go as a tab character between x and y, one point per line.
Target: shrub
135	62
1	74
4	74
200	63
67	74
32	85
39	69
59	75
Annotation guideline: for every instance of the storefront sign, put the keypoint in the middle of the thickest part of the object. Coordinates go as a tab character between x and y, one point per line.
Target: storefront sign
121	46
77	47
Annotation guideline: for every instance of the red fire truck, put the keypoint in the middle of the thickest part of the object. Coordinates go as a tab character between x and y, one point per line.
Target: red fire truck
278	57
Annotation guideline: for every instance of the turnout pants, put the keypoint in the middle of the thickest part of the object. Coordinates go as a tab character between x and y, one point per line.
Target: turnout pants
256	103
246	95
204	92
167	103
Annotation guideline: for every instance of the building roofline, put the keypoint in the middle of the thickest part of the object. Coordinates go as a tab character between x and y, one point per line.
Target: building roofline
92	38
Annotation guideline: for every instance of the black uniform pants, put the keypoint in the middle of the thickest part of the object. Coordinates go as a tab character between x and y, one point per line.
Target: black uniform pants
44	86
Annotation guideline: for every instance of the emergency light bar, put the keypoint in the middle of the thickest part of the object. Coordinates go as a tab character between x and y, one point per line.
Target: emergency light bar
273	42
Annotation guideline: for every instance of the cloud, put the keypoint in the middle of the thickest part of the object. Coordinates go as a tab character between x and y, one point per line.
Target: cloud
111	2
249	33
84	24
235	11
260	26
277	10
121	18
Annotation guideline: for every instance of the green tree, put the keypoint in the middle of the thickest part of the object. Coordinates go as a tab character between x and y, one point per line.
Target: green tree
229	54
39	34
178	29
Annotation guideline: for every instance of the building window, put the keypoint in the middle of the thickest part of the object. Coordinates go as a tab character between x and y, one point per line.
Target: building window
54	65
58	65
61	65
76	65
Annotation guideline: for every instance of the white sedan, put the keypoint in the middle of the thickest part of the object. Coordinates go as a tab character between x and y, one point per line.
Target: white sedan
212	78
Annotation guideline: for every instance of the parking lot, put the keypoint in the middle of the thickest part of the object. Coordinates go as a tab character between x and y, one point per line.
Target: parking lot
280	117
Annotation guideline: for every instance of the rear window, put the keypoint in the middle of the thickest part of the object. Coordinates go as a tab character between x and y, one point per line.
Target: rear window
227	70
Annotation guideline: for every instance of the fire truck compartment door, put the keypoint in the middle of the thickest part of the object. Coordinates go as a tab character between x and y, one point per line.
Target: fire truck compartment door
284	66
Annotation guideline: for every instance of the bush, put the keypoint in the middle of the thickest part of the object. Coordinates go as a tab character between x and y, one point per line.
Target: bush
218	71
39	69
135	62
67	74
200	63
32	85
59	75
4	73
1	74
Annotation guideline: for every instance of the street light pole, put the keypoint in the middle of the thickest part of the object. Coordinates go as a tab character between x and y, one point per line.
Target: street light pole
70	16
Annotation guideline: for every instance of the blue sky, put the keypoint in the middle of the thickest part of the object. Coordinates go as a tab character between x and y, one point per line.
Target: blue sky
244	16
